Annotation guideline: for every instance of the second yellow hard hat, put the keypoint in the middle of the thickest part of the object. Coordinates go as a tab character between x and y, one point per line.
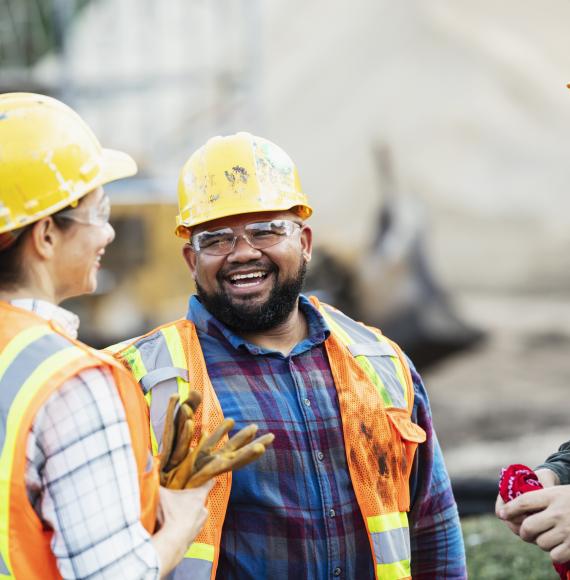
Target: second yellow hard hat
237	174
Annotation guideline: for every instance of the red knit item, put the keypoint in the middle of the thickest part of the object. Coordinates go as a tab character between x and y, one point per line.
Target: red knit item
518	479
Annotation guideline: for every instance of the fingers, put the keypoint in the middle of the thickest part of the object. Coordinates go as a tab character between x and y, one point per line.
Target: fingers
231	460
225	426
535	525
182	444
241	438
550	539
561	553
525	504
194	399
181	475
168	433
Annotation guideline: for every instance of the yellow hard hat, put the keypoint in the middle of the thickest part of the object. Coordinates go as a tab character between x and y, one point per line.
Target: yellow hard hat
234	175
49	158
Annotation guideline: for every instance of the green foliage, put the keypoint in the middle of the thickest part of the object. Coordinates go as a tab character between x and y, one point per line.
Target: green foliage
494	553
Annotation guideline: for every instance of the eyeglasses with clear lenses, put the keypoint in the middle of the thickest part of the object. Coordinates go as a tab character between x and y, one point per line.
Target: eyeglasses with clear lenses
258	235
93	216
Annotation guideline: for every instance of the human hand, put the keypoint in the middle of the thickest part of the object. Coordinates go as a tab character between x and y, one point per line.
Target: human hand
513	523
545	517
183	512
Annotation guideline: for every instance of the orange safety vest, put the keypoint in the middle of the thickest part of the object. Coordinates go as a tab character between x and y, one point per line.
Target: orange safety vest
376	398
35	360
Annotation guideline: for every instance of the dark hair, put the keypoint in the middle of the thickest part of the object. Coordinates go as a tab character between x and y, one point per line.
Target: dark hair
11	267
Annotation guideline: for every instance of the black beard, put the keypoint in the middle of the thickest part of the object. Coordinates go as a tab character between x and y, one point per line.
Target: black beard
246	317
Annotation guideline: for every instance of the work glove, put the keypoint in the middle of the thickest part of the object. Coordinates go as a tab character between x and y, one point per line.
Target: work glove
183	467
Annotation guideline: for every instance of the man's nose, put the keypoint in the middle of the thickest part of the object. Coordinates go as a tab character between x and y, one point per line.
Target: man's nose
243	251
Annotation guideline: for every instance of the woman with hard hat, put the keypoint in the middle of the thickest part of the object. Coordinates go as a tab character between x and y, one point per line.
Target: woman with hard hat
79	492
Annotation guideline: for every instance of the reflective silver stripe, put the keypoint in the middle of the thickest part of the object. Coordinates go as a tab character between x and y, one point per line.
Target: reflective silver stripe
371	349
392	545
377	351
156	358
192	568
384	366
23	365
358	332
3	567
160	375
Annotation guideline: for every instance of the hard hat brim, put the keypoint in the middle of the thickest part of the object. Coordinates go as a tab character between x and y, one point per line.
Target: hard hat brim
116	165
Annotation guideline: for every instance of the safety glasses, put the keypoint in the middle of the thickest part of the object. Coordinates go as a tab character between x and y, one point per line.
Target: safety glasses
258	235
92	216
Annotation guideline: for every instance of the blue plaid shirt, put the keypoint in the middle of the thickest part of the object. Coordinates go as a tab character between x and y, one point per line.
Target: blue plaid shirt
293	513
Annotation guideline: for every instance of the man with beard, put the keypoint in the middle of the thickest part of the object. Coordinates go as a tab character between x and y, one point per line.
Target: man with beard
342	492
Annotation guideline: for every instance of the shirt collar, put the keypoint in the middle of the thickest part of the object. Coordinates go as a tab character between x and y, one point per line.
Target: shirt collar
65	319
318	328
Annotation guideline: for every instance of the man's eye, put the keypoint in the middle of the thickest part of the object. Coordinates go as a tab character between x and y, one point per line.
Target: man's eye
264	233
215	240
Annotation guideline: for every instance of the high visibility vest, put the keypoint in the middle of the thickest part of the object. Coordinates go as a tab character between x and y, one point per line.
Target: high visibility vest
35	360
376	397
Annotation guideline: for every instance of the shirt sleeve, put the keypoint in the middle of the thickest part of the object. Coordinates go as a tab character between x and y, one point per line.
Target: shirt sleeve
81	478
559	462
435	531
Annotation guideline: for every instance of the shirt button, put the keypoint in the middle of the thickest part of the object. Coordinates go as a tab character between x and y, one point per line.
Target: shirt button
320	455
337	572
332	513
307	402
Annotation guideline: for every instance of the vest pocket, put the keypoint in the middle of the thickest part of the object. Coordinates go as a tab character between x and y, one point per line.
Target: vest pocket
410	435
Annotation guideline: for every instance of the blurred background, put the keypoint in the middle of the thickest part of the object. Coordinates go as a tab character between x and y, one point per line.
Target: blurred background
432	139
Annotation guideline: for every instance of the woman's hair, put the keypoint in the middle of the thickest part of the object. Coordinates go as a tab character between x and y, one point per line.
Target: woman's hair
12	270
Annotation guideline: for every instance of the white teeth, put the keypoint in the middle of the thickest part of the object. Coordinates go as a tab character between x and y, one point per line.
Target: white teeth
246	276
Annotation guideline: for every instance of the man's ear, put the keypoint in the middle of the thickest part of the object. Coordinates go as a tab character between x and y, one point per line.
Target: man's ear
190	257
45	236
307	242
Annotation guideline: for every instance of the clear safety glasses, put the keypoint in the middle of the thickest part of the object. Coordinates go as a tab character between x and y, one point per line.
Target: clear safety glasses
258	235
92	216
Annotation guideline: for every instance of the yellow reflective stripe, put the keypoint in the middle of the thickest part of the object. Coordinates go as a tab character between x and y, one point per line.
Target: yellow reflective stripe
387	522
21	402
153	441
176	350
19	343
394	570
361	359
375	378
133	358
201	552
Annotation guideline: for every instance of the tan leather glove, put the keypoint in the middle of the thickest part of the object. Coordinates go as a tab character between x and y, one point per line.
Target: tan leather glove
183	467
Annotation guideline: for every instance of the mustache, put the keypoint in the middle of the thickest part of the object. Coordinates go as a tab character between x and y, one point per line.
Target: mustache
227	271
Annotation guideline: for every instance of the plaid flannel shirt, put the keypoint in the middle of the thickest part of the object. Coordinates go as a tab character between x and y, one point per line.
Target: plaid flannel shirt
293	513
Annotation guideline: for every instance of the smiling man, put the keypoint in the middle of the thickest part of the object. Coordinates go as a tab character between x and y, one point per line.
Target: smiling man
342	492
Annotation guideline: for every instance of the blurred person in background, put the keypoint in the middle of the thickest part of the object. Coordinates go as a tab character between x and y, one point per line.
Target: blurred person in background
543	516
79	490
342	492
